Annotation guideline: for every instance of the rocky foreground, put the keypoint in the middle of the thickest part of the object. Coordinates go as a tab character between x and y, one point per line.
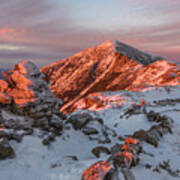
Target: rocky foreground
108	134
122	142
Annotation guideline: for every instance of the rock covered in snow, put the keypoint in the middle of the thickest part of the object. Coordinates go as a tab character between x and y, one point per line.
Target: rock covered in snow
120	159
27	102
97	171
93	127
29	92
6	150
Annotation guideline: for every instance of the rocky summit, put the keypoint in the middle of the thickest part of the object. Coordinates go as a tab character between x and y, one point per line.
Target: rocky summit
110	66
27	102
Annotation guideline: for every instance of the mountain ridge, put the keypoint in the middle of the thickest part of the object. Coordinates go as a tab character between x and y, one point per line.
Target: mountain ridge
109	66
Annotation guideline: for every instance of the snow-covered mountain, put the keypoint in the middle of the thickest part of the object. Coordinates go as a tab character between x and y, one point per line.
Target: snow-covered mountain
123	121
109	66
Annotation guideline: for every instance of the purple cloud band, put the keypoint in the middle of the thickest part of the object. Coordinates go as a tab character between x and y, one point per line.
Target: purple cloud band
48	33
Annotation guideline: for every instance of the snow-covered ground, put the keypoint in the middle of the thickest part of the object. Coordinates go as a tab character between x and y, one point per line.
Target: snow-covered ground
35	161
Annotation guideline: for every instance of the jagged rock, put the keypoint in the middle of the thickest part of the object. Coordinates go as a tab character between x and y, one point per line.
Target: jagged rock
100	149
3	85
80	120
167	127
13	135
126	155
167	102
14	121
48	139
135	109
165	165
153	135
91	126
31	97
27	88
56	123
112	175
121	159
89	130
116	148
6	150
125	159
145	136
28	103
131	145
4	98
74	158
97	171
41	122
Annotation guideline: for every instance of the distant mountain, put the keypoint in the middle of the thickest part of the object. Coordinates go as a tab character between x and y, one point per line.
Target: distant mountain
109	66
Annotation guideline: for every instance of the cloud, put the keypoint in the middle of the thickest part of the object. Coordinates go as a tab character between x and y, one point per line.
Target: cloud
47	30
6	31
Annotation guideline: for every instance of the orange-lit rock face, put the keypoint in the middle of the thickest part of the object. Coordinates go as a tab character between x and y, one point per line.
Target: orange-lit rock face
97	171
20	80
126	147
109	66
28	95
126	154
22	97
98	101
131	141
4	98
3	85
19	83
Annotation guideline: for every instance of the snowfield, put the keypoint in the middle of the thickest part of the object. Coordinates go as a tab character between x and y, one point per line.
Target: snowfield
70	154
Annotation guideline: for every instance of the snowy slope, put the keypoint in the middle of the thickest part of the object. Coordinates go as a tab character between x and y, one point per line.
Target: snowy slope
38	162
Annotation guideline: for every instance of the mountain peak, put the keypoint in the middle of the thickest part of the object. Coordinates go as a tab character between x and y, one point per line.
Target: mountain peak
130	52
112	66
107	43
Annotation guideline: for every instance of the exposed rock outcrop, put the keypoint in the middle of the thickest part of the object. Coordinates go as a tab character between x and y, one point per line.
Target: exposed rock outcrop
29	95
92	127
108	66
27	102
122	158
6	150
154	134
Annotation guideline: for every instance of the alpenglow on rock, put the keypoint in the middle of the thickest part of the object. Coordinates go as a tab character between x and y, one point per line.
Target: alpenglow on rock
110	66
26	94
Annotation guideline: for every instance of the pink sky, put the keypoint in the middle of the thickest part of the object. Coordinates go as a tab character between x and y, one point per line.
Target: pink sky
48	30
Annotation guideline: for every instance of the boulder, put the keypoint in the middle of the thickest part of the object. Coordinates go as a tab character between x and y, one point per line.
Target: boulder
91	126
97	171
100	149
6	150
